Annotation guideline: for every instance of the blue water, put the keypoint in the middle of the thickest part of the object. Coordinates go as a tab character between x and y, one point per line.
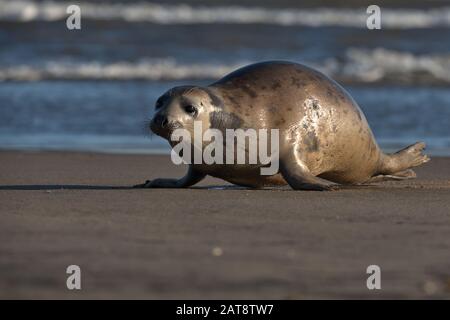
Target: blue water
94	89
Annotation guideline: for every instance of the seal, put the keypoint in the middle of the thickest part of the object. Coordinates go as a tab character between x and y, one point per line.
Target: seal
324	138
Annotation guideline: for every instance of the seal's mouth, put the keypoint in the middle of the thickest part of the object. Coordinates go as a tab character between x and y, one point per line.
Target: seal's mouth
163	127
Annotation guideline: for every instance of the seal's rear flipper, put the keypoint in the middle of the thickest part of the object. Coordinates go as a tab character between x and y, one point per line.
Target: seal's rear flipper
402	175
406	158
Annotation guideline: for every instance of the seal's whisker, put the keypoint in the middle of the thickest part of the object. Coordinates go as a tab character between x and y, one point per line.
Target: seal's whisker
145	128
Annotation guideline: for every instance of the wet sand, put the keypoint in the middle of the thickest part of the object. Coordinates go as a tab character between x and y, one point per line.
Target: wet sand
59	209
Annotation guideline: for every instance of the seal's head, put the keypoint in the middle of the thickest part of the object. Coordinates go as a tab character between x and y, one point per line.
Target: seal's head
180	107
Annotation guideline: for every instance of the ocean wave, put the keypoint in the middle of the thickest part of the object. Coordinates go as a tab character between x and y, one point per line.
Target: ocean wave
27	10
357	65
380	64
118	143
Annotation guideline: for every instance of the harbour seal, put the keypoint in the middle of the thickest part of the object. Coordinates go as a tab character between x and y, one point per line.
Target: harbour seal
324	138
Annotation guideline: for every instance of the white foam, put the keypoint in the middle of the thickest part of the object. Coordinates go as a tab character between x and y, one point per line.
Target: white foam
148	69
27	10
357	65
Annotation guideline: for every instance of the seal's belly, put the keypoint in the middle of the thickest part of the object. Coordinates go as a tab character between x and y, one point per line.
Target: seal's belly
258	181
245	175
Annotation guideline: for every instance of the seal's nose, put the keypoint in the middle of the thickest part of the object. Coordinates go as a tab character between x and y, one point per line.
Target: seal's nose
160	120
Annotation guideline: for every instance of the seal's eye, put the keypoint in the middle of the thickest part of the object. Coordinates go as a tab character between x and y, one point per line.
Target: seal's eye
158	104
190	109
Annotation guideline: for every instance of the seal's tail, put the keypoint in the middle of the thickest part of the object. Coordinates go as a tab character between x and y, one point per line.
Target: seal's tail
404	159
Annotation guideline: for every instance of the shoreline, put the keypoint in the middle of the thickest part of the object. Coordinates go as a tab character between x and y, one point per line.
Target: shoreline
164	150
214	241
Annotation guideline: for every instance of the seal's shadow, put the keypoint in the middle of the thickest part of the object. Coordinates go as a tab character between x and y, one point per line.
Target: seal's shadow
62	187
32	187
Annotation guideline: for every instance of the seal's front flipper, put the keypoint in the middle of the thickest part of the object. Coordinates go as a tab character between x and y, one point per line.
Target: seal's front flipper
402	175
191	178
298	176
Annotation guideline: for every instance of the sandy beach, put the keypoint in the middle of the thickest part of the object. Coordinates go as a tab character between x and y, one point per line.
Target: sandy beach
214	241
